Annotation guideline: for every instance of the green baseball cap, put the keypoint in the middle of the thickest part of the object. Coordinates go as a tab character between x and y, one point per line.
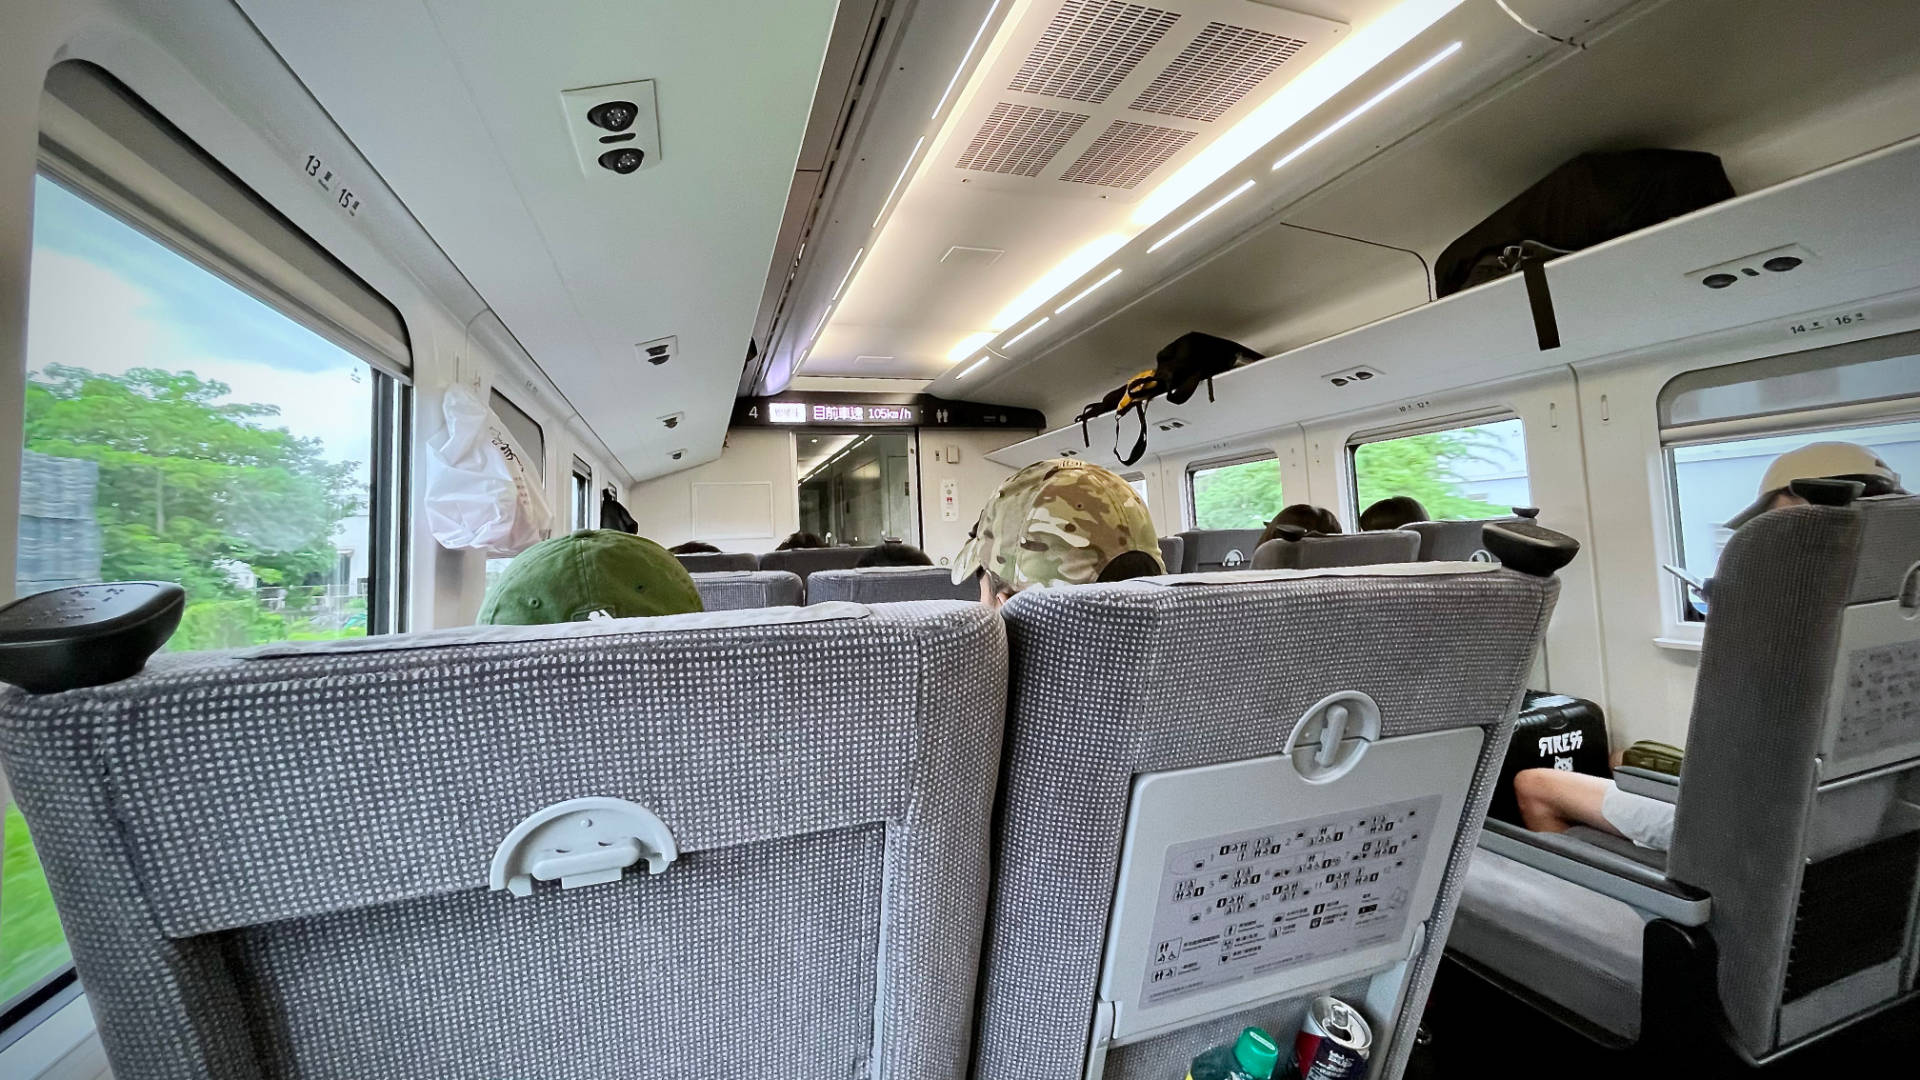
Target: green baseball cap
1057	522
571	578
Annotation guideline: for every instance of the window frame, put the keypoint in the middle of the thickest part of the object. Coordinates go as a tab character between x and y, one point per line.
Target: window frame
1495	414
1190	510
581	497
1677	607
182	198
1683	621
512	419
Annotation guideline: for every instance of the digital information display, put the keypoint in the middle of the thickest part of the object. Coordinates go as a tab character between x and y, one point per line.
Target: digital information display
1245	904
831	409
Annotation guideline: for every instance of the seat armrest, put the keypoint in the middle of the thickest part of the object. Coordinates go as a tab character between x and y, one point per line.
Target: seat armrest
1631	883
1653	785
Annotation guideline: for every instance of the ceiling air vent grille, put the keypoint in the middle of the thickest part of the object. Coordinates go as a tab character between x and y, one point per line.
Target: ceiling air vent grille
1215	71
1090	47
1019	139
1126	153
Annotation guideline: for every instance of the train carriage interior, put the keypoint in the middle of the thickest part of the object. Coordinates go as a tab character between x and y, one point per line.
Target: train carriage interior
959	539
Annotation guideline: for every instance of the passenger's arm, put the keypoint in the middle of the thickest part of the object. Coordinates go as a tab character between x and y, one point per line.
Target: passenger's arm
1631	883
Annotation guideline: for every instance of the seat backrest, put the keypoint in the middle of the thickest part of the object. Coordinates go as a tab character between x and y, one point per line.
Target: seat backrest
1452	541
1204	550
1799	804
806	561
1144	791
707	562
1348	549
885	584
1172	551
278	863
734	590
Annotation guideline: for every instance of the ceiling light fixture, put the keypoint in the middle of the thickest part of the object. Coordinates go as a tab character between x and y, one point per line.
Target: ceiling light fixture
848	276
973	367
1069	270
1365	49
1199	217
968	345
1084	293
1368	104
904	170
964	57
1015	340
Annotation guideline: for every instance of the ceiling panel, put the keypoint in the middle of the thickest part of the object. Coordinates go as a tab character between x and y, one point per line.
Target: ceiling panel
457	104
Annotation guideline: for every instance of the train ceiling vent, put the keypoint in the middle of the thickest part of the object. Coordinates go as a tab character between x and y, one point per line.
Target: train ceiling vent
1089	49
1127	153
1111	95
1019	140
1216	71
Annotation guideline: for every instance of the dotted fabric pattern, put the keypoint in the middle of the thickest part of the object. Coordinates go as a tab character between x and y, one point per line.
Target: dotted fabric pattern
889	584
1112	681
638	978
193	819
740	590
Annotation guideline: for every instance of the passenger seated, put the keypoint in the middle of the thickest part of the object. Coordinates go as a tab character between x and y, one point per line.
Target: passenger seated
1392	512
1058	522
694	547
590	574
894	553
801	540
1305	517
1552	800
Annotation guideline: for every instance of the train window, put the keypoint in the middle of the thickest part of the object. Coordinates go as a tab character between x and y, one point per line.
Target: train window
210	399
1720	427
1238	493
1138	482
1714	481
582	495
1458	472
525	430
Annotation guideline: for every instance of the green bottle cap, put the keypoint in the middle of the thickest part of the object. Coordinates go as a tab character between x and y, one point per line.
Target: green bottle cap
1256	1052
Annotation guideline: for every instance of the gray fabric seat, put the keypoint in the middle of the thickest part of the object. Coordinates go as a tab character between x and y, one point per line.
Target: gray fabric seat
1521	923
886	584
1172	551
1205	550
276	864
709	562
1348	549
1451	541
735	590
1116	683
804	562
1795	817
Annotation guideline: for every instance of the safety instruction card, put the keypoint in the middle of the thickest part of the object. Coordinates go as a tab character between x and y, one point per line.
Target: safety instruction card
1238	906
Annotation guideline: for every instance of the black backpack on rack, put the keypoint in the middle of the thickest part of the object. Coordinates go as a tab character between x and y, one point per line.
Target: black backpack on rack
1589	200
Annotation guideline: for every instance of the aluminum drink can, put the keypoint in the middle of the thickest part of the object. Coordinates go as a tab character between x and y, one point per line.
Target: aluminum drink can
1334	1042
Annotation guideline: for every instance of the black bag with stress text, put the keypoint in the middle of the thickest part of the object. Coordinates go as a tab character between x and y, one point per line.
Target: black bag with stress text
1589	200
1553	731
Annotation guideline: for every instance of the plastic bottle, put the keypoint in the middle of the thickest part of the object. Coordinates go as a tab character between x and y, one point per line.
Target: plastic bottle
1251	1057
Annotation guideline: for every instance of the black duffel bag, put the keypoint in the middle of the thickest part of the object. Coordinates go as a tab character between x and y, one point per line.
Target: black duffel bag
1589	200
1553	731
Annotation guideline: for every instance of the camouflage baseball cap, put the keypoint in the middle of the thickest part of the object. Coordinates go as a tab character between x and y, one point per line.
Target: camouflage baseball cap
1056	522
573	577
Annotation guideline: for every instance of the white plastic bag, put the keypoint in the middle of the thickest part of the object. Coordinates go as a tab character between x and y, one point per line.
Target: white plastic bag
482	492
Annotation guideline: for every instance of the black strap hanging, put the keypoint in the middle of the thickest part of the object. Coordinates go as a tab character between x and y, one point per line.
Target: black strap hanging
1531	257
